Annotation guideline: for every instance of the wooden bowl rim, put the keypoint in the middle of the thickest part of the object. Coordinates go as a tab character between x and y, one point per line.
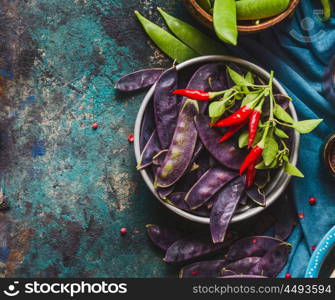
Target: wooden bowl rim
250	28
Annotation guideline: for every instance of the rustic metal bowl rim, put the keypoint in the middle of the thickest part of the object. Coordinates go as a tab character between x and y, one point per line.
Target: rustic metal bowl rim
282	181
251	28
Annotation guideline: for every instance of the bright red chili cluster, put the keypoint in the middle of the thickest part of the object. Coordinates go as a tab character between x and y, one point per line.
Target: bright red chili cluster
235	122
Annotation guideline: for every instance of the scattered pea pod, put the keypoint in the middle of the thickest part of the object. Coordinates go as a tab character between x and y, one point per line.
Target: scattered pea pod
224	19
165	41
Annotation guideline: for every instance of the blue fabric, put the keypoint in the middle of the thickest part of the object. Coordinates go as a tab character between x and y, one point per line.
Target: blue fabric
300	50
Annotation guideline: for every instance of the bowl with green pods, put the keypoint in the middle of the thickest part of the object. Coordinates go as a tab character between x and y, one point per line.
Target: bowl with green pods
250	16
174	196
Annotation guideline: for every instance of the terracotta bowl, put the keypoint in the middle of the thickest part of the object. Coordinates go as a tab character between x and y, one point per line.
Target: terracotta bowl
207	20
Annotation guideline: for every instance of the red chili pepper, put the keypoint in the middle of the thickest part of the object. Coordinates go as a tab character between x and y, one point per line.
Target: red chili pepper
199	95
193	94
253	126
236	118
252	157
251	174
231	132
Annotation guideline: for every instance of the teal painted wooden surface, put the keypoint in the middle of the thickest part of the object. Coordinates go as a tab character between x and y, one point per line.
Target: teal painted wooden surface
71	188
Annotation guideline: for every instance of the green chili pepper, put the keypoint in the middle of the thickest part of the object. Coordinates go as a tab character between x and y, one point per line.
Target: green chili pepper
165	41
260	9
192	37
326	10
224	19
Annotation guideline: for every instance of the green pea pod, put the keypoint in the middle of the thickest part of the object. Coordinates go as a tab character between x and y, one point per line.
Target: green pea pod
192	37
326	10
260	9
166	41
224	19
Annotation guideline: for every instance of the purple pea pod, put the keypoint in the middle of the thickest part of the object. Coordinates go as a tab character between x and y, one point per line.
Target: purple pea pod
225	273
263	177
163	238
207	76
251	246
181	149
203	269
226	153
138	80
147	126
197	151
273	261
163	193
286	216
243	266
165	106
244	200
243	276
256	196
220	80
225	205
195	247
207	186
150	150
158	159
177	200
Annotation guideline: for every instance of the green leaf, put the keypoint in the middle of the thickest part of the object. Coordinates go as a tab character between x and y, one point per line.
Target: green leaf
281	133
282	115
237	78
249	78
307	125
293	170
217	109
270	151
249	98
243	139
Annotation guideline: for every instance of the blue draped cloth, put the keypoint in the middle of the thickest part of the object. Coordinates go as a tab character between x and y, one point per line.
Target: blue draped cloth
301	50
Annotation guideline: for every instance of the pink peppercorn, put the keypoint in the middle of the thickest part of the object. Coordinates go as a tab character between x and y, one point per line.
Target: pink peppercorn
95	126
312	201
301	215
288	275
123	231
131	138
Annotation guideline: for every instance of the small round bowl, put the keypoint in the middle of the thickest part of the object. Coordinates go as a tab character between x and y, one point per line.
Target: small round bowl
329	155
322	262
206	19
278	184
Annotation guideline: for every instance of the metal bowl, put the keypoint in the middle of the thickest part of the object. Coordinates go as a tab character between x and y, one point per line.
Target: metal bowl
278	184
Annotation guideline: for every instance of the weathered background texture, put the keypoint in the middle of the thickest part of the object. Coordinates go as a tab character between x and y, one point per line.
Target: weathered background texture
71	188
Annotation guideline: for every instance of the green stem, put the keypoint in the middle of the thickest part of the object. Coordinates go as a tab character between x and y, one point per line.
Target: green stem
272	100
